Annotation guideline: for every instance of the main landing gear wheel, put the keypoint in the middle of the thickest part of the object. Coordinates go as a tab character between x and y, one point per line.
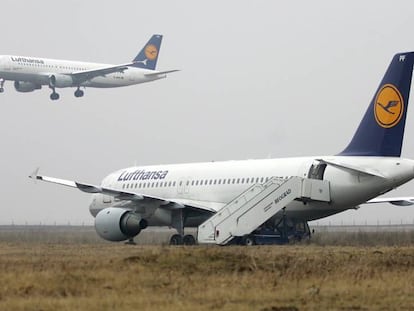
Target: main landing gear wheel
176	239
79	93
1	89
189	240
54	96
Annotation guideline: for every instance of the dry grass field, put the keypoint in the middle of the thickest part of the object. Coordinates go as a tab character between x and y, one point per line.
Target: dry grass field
78	274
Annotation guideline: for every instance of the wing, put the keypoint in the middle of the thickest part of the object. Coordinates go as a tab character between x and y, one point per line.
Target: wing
400	201
85	75
123	195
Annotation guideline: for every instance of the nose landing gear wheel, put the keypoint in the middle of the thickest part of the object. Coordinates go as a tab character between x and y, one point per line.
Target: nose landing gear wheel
248	240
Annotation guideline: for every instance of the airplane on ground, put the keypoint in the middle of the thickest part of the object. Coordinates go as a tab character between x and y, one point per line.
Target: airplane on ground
186	195
31	73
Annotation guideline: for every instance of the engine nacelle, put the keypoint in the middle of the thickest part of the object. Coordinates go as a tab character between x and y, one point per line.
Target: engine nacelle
24	87
118	224
59	80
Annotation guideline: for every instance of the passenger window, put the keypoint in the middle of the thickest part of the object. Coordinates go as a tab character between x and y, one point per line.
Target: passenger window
181	183
169	184
174	184
229	181
234	180
187	183
156	184
192	183
261	179
219	181
215	181
211	181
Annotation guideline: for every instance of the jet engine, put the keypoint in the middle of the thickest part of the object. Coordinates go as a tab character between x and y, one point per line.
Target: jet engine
24	87
60	80
118	224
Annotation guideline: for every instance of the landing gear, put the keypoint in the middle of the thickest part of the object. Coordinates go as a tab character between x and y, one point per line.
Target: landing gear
130	242
79	93
1	85
54	96
178	224
177	239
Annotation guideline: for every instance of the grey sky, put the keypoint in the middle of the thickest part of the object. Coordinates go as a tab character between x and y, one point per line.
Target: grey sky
259	79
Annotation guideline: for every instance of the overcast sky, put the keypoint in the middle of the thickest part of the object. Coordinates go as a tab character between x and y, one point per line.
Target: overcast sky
258	79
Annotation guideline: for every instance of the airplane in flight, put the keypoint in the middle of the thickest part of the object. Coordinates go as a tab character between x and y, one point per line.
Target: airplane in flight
31	73
231	199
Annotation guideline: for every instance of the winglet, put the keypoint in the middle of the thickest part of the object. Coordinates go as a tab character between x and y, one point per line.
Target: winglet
34	175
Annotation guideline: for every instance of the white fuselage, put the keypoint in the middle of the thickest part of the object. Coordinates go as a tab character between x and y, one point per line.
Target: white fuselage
37	71
212	185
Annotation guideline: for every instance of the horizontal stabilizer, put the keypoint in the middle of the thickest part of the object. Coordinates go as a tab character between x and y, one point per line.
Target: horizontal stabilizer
157	73
400	201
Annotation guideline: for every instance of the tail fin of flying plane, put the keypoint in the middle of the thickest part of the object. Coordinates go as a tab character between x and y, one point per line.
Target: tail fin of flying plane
381	131
148	56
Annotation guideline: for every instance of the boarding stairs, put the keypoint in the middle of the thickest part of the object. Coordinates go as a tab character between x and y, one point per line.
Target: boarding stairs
257	204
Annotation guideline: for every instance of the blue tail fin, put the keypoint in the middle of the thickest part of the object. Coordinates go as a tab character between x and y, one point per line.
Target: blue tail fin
381	131
148	56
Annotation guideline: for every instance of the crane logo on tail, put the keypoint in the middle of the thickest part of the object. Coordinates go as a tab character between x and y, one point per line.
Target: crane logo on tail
151	52
389	106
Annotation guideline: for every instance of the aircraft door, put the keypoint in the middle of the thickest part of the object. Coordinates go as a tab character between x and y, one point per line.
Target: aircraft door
180	186
317	170
183	186
187	185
